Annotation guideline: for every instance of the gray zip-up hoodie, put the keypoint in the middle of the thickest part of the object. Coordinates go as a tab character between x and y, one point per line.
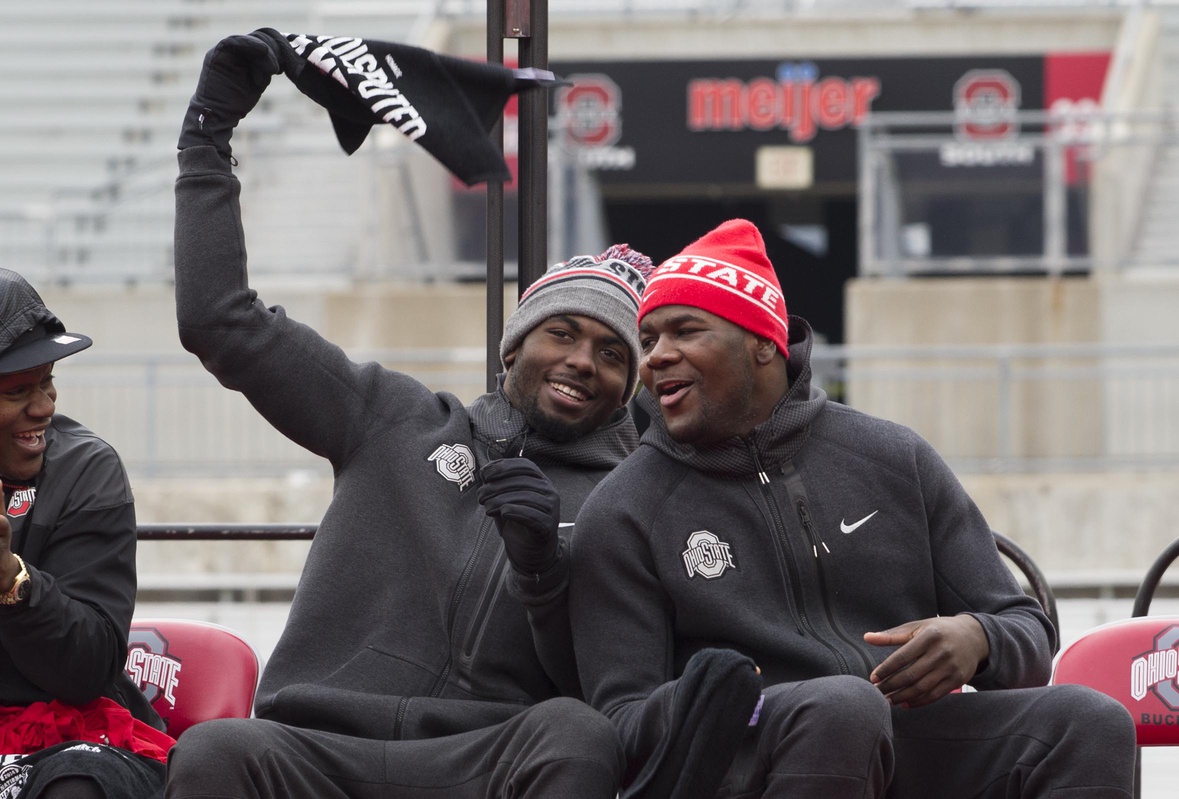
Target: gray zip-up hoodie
825	523
401	626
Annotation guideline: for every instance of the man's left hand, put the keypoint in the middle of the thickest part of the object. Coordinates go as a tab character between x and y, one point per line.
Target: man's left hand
936	656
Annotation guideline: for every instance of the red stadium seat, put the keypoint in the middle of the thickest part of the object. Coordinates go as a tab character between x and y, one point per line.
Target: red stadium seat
1135	661
192	671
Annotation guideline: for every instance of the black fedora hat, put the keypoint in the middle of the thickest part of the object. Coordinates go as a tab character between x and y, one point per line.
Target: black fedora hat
30	336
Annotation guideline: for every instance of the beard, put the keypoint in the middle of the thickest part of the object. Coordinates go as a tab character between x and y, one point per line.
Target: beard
523	386
556	430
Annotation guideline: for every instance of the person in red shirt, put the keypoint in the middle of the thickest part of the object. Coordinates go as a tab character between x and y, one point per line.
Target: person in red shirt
72	724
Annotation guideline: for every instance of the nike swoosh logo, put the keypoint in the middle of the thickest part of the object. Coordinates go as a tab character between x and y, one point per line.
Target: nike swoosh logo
851	528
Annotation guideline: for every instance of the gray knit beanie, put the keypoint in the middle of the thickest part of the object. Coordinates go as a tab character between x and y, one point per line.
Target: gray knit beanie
604	287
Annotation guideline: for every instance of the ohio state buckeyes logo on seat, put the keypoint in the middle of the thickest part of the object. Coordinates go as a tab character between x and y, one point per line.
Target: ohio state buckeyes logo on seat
150	667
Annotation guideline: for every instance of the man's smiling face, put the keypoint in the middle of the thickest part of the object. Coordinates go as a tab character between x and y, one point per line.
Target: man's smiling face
568	376
27	403
701	369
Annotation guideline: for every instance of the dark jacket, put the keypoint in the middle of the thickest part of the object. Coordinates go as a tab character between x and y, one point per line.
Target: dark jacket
787	546
69	640
401	626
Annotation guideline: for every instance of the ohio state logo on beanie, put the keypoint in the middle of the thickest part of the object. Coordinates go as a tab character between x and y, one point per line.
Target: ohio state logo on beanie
726	272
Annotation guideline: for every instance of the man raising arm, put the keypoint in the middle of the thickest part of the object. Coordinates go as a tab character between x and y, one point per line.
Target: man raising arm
427	648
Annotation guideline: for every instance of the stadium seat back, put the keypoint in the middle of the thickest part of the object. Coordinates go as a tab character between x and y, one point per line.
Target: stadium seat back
192	671
1135	661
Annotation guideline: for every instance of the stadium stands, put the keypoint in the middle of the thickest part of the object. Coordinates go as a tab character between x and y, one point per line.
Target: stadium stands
93	95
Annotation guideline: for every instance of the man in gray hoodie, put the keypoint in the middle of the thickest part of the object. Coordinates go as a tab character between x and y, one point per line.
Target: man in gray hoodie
763	534
427	650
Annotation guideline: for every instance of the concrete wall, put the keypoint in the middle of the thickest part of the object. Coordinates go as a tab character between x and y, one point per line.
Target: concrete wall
960	404
1139	308
142	319
1071	523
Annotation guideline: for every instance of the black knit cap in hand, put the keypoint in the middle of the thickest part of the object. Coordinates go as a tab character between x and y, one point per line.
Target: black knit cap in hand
445	104
711	710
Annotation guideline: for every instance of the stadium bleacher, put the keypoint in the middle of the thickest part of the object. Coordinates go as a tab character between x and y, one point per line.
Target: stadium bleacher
93	95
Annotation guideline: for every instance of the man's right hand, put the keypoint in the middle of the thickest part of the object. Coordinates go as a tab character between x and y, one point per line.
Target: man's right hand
935	657
235	73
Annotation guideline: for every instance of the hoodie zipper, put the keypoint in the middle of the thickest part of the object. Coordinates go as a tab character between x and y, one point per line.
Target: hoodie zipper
796	608
459	591
804	516
792	566
486	602
402	705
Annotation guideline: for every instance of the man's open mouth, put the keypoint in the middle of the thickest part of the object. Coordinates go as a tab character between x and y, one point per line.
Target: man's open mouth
566	390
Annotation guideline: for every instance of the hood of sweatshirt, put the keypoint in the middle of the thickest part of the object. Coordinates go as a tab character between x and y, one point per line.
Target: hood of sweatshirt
771	443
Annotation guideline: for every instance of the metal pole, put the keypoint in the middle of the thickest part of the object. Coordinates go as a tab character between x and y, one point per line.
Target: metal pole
1055	203
534	140
495	211
1006	406
867	200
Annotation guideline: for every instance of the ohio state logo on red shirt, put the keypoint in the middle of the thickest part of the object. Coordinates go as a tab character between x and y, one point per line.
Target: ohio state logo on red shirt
21	501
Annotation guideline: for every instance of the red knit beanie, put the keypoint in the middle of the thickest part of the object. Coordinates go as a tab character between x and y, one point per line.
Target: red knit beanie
725	272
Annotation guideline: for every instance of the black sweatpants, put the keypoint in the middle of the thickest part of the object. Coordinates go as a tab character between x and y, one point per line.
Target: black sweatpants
837	738
559	748
119	774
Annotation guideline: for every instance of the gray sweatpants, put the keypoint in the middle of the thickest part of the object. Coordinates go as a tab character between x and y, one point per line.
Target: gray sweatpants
557	748
837	738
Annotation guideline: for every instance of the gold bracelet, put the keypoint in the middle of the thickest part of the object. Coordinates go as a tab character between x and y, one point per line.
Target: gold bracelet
20	585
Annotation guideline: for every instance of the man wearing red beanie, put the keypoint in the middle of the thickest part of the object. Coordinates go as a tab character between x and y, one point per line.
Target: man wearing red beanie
776	595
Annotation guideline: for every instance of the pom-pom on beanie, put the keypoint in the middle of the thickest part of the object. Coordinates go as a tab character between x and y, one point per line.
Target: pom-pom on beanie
604	287
726	272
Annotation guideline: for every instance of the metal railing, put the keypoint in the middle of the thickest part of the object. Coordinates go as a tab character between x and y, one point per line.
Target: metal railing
1014	408
922	180
731	8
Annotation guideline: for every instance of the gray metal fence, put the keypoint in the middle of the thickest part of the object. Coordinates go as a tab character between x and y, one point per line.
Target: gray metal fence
992	408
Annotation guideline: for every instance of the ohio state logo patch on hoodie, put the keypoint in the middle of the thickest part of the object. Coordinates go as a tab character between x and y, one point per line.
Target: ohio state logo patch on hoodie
456	463
21	502
707	556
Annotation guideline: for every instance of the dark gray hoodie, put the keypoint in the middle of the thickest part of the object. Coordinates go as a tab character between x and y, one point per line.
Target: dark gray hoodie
401	626
786	546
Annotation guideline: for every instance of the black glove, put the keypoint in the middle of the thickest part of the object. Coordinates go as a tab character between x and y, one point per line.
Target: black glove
711	709
235	73
526	509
